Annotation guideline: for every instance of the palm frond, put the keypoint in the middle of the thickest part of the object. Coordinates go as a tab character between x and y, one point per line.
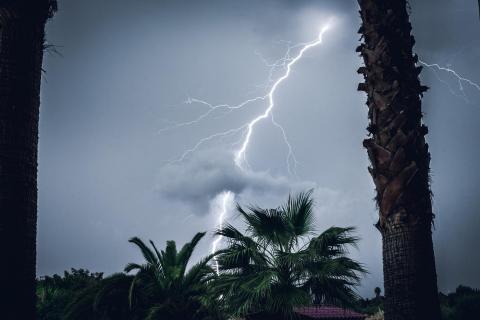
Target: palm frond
332	291
267	225
333	241
116	285
186	252
81	306
299	213
132	266
158	311
159	256
229	231
198	271
147	253
169	256
242	253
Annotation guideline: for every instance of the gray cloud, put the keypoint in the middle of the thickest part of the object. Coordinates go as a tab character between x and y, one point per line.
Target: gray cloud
199	178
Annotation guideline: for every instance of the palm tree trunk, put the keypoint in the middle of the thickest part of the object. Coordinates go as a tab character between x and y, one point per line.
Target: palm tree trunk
21	51
399	160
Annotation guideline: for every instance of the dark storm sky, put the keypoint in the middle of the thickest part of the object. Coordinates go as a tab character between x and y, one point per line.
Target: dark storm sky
125	70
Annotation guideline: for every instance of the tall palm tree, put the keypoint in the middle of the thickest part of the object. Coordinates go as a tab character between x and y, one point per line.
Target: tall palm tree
399	159
278	264
22	25
164	284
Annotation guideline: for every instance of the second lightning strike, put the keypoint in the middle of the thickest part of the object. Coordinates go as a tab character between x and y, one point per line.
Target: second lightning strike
227	198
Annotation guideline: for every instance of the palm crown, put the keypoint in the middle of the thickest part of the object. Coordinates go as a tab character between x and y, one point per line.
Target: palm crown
163	282
278	263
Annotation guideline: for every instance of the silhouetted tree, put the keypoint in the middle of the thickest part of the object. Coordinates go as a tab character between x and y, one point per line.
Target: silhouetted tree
105	300
22	24
462	304
279	265
55	293
400	160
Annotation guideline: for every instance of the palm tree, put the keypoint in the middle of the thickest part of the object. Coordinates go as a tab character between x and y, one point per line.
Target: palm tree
399	159
22	25
164	285
278	264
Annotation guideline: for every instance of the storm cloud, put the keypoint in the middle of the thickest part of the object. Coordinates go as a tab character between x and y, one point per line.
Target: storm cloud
198	179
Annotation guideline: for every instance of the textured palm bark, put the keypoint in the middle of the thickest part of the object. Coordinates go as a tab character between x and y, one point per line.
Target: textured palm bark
399	159
21	52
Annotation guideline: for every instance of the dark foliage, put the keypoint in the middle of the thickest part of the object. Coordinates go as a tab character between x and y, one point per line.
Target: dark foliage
464	303
164	287
106	300
55	293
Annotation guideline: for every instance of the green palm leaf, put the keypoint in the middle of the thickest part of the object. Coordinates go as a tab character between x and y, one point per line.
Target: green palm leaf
146	252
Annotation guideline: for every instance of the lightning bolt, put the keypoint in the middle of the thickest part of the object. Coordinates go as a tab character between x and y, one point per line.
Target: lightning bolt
240	155
285	63
247	129
462	81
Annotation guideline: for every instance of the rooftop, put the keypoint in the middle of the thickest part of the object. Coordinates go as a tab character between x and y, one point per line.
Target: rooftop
328	312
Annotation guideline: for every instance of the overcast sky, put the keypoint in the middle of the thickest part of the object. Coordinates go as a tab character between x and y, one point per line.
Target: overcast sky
126	69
